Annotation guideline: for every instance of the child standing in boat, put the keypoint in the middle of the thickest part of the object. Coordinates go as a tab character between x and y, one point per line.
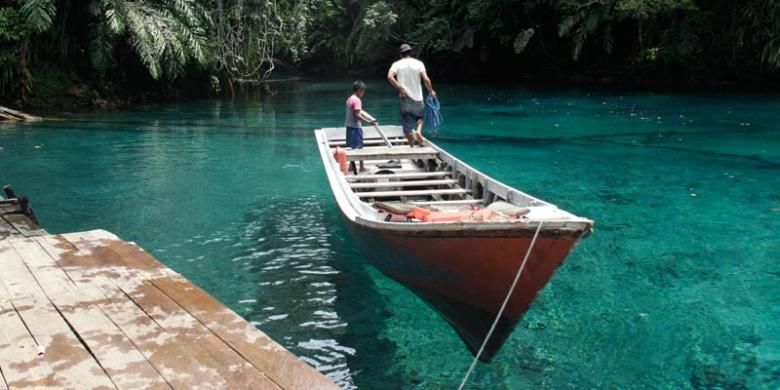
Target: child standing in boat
355	114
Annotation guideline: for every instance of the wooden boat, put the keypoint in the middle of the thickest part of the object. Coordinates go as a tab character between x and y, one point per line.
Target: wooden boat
451	234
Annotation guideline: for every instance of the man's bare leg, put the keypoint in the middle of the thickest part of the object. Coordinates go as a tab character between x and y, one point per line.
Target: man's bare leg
419	132
410	138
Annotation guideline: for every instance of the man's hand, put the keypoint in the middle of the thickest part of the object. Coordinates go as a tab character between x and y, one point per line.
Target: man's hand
402	93
433	93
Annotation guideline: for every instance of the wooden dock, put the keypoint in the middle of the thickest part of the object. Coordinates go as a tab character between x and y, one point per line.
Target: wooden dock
88	310
17	218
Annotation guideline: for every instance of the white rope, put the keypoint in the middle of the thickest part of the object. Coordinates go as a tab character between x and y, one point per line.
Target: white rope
503	306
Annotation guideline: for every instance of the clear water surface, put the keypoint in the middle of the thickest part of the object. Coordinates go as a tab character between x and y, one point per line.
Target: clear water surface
679	286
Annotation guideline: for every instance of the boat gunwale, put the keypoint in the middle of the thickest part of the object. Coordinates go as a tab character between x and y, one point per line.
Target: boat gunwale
476	229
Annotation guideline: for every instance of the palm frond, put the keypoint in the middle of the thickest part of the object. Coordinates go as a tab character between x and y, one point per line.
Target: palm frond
39	14
164	37
522	39
101	47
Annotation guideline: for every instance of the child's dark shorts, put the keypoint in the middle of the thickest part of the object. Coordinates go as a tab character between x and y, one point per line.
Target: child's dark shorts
355	137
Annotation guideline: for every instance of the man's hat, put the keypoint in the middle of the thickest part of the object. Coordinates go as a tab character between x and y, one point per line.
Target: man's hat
404	48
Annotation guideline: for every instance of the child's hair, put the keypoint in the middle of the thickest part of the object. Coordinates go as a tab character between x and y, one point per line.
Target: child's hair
358	85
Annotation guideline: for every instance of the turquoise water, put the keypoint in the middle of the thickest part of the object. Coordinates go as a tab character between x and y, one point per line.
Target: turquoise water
679	286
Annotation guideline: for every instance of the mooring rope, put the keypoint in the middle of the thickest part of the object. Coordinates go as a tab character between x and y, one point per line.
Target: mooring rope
503	306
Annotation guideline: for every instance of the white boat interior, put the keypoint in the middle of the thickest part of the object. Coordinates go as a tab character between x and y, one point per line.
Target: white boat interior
423	184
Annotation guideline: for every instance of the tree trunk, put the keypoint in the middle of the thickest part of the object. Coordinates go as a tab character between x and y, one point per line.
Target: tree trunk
24	73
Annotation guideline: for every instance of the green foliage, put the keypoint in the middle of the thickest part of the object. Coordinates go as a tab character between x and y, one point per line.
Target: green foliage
51	82
522	39
101	46
584	19
39	14
8	65
374	26
763	17
12	25
228	41
248	39
165	37
647	9
13	30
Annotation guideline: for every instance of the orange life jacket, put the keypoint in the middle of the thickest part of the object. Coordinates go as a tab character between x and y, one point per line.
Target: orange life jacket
450	216
341	157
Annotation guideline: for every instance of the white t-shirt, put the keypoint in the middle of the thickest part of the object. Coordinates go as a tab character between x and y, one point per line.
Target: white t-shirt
407	71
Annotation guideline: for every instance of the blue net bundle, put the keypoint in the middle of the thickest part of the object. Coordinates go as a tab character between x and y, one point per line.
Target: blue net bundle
433	118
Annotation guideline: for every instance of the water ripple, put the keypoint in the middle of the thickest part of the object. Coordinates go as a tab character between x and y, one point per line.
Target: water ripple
289	255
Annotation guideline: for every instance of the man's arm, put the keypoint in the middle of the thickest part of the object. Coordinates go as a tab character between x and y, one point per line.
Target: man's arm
428	84
391	79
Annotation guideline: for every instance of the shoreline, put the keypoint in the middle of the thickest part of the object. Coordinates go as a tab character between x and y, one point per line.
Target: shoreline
89	99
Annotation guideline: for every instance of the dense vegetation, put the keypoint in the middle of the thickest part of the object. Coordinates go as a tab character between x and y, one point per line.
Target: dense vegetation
123	47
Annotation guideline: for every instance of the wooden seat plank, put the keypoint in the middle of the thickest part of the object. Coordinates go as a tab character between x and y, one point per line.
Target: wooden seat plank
125	364
384	194
260	350
407	183
373	141
385	153
370	138
183	351
72	364
411	175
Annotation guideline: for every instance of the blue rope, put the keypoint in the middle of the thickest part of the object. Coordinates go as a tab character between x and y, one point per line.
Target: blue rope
433	118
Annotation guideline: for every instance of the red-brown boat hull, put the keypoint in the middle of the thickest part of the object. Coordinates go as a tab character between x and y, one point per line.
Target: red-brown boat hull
466	278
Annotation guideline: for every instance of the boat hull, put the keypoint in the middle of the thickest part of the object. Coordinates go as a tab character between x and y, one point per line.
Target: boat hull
466	277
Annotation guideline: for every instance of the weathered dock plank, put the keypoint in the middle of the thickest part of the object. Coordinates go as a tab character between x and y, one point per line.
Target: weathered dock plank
207	350
19	361
172	355
118	356
6	229
261	351
108	315
57	346
14	221
23	225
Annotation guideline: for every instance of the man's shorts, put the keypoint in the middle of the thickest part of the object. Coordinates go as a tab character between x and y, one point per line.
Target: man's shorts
411	111
355	137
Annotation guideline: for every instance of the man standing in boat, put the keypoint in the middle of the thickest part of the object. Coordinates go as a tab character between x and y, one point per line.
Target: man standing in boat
355	114
405	76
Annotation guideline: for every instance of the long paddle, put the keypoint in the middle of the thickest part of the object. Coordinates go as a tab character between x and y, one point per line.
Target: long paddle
384	137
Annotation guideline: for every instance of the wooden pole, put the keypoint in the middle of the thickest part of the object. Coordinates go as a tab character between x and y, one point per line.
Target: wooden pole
384	137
